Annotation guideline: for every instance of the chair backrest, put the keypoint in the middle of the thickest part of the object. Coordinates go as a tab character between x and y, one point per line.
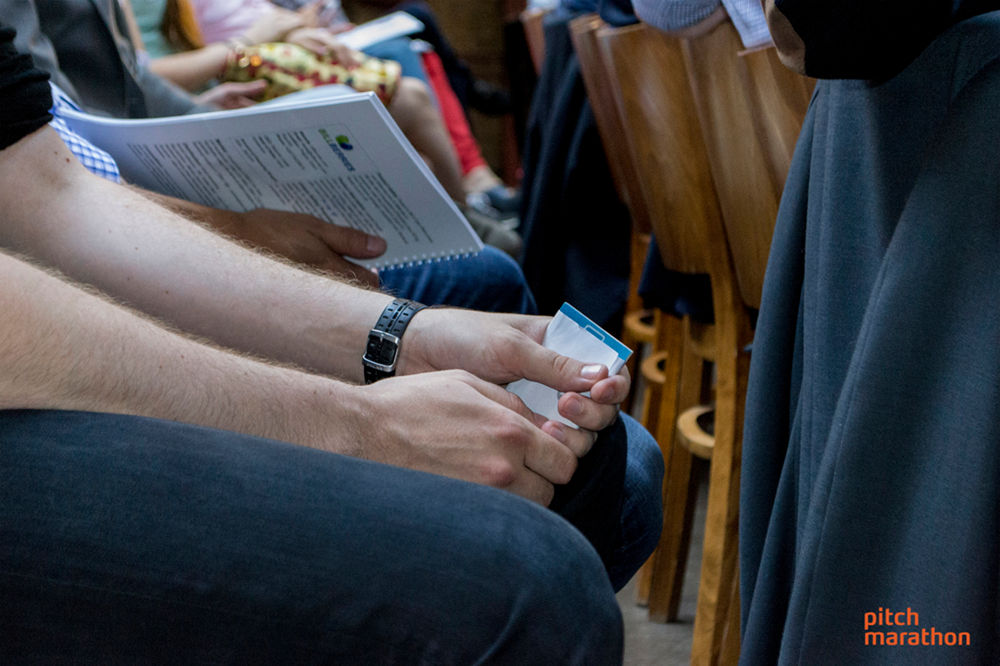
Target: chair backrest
534	35
750	109
597	80
778	99
660	130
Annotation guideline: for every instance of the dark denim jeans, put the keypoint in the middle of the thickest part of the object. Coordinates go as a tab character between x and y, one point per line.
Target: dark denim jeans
488	280
132	539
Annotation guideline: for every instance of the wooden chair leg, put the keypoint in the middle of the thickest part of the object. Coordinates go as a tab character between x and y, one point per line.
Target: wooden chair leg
639	327
731	638
679	496
654	378
719	554
660	411
638	330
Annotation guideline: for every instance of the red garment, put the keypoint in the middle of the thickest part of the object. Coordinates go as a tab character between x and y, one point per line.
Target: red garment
454	116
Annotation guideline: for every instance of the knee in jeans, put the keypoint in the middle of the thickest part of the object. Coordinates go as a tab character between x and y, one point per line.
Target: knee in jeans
498	269
558	594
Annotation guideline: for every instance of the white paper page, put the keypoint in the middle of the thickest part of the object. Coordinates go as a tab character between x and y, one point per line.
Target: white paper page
571	334
319	93
343	160
396	24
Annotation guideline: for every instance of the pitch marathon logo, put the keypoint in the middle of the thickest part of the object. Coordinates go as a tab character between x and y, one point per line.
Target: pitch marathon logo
889	627
340	145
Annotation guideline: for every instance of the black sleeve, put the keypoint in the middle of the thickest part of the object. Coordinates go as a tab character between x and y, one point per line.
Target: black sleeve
25	96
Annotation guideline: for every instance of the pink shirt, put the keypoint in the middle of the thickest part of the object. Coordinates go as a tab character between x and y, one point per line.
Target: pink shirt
220	20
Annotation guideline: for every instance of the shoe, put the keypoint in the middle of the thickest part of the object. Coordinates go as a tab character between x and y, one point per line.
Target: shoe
505	199
489	99
481	203
494	232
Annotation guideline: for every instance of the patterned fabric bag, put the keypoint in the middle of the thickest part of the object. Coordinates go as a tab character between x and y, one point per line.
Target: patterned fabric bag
289	68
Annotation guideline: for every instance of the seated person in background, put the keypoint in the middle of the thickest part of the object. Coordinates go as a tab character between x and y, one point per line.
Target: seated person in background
871	465
92	61
226	20
468	91
254	57
668	15
306	55
146	512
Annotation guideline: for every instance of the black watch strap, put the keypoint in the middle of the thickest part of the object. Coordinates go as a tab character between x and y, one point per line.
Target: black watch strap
382	350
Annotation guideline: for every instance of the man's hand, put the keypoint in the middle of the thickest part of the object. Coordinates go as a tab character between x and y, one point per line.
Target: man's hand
502	348
308	240
298	237
457	425
232	95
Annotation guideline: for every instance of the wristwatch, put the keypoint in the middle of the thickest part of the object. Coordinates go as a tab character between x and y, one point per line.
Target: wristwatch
382	350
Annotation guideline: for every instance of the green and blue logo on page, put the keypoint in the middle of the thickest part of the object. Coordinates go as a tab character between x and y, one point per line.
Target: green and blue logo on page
339	144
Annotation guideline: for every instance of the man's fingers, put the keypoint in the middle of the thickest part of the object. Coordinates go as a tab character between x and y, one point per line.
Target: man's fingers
613	390
545	454
577	440
351	242
549	457
532	486
507	399
586	413
545	366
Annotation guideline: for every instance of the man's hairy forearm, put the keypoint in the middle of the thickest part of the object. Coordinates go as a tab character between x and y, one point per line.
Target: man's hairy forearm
64	347
160	263
223	221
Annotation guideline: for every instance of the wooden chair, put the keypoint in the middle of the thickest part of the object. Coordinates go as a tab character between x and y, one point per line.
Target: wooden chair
745	113
663	137
638	329
750	109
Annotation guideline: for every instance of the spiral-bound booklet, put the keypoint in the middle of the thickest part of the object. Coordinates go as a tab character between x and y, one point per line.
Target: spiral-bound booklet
339	157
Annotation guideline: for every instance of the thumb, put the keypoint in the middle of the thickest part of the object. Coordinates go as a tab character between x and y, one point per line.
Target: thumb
562	373
351	242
